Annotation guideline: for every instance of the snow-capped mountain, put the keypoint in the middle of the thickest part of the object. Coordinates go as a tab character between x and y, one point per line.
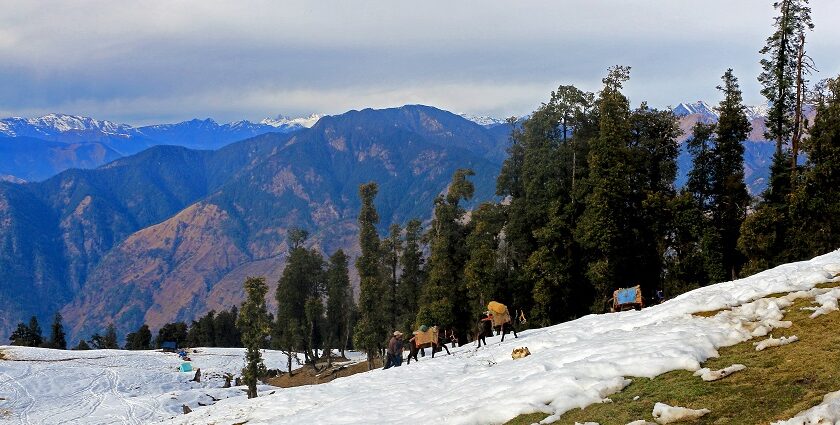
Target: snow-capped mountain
485	121
758	112
709	114
37	148
281	121
54	124
706	112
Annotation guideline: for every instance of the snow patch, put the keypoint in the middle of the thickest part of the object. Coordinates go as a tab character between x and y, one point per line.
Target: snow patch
708	375
827	302
774	342
665	414
827	412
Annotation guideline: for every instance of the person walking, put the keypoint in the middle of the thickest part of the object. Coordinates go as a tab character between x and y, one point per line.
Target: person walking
394	350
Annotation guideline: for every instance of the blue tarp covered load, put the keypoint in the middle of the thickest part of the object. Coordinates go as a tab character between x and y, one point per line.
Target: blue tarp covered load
626	295
627	298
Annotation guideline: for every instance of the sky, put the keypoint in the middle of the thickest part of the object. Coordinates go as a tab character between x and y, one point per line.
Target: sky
142	62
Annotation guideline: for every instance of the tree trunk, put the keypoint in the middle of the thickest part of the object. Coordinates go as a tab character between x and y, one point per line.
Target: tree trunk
797	118
780	74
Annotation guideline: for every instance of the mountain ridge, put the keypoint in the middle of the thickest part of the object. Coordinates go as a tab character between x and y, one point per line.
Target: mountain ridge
169	233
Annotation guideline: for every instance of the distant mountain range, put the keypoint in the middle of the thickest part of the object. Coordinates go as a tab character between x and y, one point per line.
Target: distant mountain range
171	232
34	149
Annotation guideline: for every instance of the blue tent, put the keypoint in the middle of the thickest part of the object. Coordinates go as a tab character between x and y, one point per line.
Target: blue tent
186	367
169	346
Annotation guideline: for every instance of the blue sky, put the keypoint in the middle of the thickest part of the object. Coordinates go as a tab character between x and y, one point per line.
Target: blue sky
163	61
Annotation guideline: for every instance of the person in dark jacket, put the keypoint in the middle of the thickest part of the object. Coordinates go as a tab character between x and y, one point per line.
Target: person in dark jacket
393	356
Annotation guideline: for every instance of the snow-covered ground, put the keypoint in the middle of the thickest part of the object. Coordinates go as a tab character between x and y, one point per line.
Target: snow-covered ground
571	365
44	386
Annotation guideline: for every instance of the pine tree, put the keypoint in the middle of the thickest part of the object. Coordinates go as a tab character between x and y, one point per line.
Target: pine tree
139	340
652	151
485	275
717	183
110	340
254	323
175	332
685	268
224	327
779	68
816	203
541	177
301	283
701	176
370	332
22	336
35	334
82	345
766	234
202	332
57	338
339	303
604	221
730	196
391	249
445	300
412	277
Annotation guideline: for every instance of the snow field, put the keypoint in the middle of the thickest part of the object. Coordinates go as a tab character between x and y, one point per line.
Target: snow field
572	364
114	386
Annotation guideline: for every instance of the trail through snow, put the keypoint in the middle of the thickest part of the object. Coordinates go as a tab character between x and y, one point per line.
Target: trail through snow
44	386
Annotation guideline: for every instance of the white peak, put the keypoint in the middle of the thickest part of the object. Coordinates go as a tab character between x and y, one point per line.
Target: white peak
284	121
483	120
758	111
63	123
699	107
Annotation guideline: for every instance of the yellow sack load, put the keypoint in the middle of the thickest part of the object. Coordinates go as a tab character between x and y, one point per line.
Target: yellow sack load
497	308
500	313
430	336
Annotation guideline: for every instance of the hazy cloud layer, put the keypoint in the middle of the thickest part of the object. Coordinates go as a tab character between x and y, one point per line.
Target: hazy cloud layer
169	60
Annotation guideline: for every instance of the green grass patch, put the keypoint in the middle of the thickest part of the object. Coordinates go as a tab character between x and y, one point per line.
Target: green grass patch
777	384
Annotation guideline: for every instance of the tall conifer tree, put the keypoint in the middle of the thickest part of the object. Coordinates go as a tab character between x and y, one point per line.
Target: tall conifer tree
57	337
253	322
445	301
816	206
391	249
604	220
729	192
370	332
412	277
339	302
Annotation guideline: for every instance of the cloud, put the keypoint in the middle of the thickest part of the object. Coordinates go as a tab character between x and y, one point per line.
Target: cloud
135	61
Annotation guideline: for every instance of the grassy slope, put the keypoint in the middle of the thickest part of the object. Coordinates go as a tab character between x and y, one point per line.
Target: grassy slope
777	384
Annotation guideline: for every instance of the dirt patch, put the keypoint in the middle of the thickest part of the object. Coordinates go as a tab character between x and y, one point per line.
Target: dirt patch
309	376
